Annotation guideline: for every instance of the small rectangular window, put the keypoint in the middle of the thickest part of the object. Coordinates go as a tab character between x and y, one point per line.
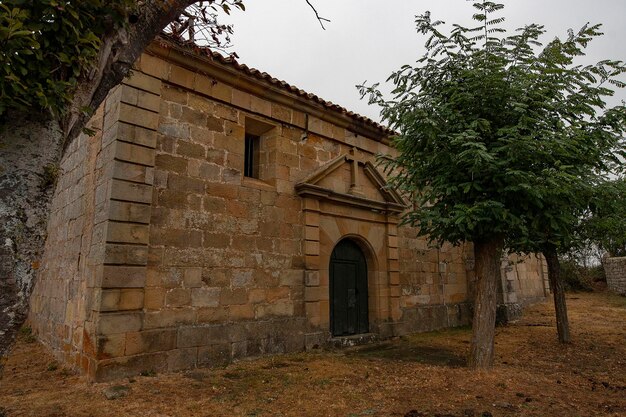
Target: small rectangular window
251	156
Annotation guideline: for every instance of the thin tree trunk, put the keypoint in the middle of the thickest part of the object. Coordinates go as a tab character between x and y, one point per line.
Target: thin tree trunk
487	254
560	307
30	149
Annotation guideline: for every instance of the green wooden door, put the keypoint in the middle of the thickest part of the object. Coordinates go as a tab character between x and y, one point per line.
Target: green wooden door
348	290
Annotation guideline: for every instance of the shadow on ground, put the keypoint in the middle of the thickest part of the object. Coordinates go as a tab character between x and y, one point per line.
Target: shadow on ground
410	352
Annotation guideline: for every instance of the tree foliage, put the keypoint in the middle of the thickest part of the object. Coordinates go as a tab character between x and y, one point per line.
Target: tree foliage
46	45
605	225
499	141
494	131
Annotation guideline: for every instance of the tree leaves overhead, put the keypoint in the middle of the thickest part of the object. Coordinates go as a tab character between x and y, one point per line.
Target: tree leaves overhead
46	45
498	134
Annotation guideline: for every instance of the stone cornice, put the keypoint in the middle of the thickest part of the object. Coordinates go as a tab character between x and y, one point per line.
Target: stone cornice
227	74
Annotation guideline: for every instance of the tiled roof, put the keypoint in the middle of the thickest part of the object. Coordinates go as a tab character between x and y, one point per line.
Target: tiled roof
230	61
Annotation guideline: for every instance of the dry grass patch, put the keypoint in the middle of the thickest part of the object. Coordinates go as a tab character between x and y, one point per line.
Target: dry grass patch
415	376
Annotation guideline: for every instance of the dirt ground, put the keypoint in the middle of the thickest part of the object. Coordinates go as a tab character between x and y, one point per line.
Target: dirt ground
416	376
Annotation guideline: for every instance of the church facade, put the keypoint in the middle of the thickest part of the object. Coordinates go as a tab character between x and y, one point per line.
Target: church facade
219	213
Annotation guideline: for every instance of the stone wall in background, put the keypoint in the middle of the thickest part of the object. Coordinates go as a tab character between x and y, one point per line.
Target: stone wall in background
615	270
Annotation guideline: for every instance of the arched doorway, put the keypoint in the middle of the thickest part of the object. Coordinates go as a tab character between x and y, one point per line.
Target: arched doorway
348	290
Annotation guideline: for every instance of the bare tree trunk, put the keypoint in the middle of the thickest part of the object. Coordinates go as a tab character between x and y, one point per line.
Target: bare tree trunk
487	254
30	151
556	284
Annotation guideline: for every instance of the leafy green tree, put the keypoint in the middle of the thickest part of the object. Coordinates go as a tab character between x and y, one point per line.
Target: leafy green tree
606	224
489	127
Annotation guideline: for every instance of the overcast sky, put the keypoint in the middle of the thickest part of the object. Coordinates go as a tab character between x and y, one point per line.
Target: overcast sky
367	39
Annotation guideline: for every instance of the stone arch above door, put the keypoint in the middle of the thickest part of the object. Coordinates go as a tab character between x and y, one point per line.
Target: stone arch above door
348	198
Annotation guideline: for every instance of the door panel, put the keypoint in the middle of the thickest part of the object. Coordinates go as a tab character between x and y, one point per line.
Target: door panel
348	290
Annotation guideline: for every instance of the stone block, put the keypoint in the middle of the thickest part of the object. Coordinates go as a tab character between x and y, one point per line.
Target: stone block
192	277
242	278
311	247
291	278
315	293
109	300
132	134
136	154
312	262
214	355
115	276
222	92
114	323
168	318
154	298
139	117
281	113
257	295
181	76
176	238
181	182
260	106
154	66
129	212
312	219
190	336
233	296
312	313
241	312
312	233
280	293
142	99
178	297
178	359
312	278
150	341
241	99
278	309
127	233
191	150
132	172
111	346
212	314
130	191
205	297
144	82
171	163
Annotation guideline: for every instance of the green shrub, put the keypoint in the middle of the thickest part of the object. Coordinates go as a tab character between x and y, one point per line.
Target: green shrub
575	277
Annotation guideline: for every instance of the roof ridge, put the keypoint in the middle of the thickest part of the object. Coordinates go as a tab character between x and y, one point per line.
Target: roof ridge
264	76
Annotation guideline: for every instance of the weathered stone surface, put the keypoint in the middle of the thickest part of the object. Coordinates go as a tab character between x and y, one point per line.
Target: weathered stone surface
163	255
615	270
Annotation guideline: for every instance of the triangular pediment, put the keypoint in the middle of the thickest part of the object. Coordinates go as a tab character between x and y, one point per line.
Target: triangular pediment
347	180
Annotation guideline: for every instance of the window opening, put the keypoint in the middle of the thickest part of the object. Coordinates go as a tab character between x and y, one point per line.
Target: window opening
251	156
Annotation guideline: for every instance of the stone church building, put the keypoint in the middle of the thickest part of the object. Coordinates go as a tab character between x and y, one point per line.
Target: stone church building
219	213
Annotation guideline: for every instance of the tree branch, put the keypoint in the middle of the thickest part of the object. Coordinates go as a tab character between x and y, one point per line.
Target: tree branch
319	18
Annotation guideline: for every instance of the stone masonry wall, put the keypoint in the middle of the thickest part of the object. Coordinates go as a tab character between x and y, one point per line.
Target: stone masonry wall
163	256
62	302
615	270
524	279
434	282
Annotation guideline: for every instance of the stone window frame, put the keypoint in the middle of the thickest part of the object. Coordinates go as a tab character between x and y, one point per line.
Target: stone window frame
257	130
